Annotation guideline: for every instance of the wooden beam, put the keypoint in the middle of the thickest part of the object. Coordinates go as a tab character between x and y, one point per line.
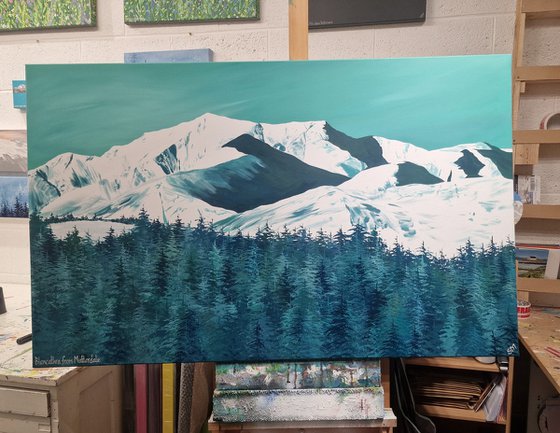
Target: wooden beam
542	211
541	8
299	29
543	74
538	136
519	36
386	381
526	154
538	285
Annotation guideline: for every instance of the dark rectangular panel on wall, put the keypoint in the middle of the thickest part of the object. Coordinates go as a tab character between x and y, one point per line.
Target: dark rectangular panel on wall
335	13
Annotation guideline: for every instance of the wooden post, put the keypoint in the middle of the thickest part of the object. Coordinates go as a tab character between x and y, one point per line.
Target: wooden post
299	29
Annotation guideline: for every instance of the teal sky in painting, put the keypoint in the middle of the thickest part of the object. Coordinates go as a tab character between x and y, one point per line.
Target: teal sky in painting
430	102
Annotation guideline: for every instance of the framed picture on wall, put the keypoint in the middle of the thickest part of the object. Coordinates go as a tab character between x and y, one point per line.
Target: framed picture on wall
46	14
13	174
334	13
150	12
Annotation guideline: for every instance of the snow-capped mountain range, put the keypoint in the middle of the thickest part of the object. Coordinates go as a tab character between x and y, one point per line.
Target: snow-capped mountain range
242	175
13	154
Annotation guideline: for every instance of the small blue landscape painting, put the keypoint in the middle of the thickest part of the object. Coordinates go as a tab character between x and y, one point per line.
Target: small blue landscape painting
13	174
240	212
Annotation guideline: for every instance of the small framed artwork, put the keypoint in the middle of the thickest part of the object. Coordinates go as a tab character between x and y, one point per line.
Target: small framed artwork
150	12
46	14
201	55
13	174
19	89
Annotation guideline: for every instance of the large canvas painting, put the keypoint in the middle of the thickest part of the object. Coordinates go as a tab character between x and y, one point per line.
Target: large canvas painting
151	12
13	174
271	211
46	14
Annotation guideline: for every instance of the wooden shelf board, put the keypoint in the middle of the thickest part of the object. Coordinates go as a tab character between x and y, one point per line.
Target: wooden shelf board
538	285
541	211
541	8
454	413
539	136
389	420
543	74
456	363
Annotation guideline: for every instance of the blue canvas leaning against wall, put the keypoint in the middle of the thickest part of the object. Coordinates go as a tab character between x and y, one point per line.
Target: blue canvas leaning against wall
243	212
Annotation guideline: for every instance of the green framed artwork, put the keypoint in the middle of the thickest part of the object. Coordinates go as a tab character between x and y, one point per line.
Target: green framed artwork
176	11
46	14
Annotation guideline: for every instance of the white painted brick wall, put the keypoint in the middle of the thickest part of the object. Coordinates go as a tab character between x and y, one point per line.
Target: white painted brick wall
453	27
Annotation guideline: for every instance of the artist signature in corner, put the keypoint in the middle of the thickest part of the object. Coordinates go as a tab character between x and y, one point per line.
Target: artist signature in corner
512	349
66	361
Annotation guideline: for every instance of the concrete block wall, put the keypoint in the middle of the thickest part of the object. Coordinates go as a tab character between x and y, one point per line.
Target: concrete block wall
453	27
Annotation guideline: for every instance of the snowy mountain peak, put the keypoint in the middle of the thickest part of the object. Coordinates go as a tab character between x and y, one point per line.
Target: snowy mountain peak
242	174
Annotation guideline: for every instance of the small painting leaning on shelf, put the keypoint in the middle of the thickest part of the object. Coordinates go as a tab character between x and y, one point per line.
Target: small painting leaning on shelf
241	212
151	12
13	174
46	14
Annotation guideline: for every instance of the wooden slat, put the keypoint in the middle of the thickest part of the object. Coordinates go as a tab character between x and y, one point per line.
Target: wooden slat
538	285
517	59
541	8
524	170
453	413
389	420
24	424
541	211
509	394
540	136
386	381
516	99
455	363
299	29
541	74
526	154
519	36
24	402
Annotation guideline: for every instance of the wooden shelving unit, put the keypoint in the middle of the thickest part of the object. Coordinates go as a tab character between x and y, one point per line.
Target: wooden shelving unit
526	143
455	363
468	364
453	413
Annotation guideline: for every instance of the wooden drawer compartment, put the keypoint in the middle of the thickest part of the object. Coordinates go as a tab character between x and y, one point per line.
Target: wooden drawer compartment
24	402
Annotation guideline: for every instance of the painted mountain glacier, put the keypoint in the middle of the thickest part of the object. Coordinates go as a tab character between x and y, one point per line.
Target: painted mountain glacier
228	240
242	175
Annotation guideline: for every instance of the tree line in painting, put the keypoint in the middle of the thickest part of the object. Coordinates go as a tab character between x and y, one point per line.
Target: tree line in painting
18	208
191	292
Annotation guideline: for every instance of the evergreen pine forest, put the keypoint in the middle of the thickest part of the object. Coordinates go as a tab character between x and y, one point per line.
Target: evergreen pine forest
18	208
190	292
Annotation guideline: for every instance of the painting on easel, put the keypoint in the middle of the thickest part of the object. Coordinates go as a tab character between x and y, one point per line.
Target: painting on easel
271	211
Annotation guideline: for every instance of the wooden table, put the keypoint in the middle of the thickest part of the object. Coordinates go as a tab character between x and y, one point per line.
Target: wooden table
536	333
57	400
384	425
